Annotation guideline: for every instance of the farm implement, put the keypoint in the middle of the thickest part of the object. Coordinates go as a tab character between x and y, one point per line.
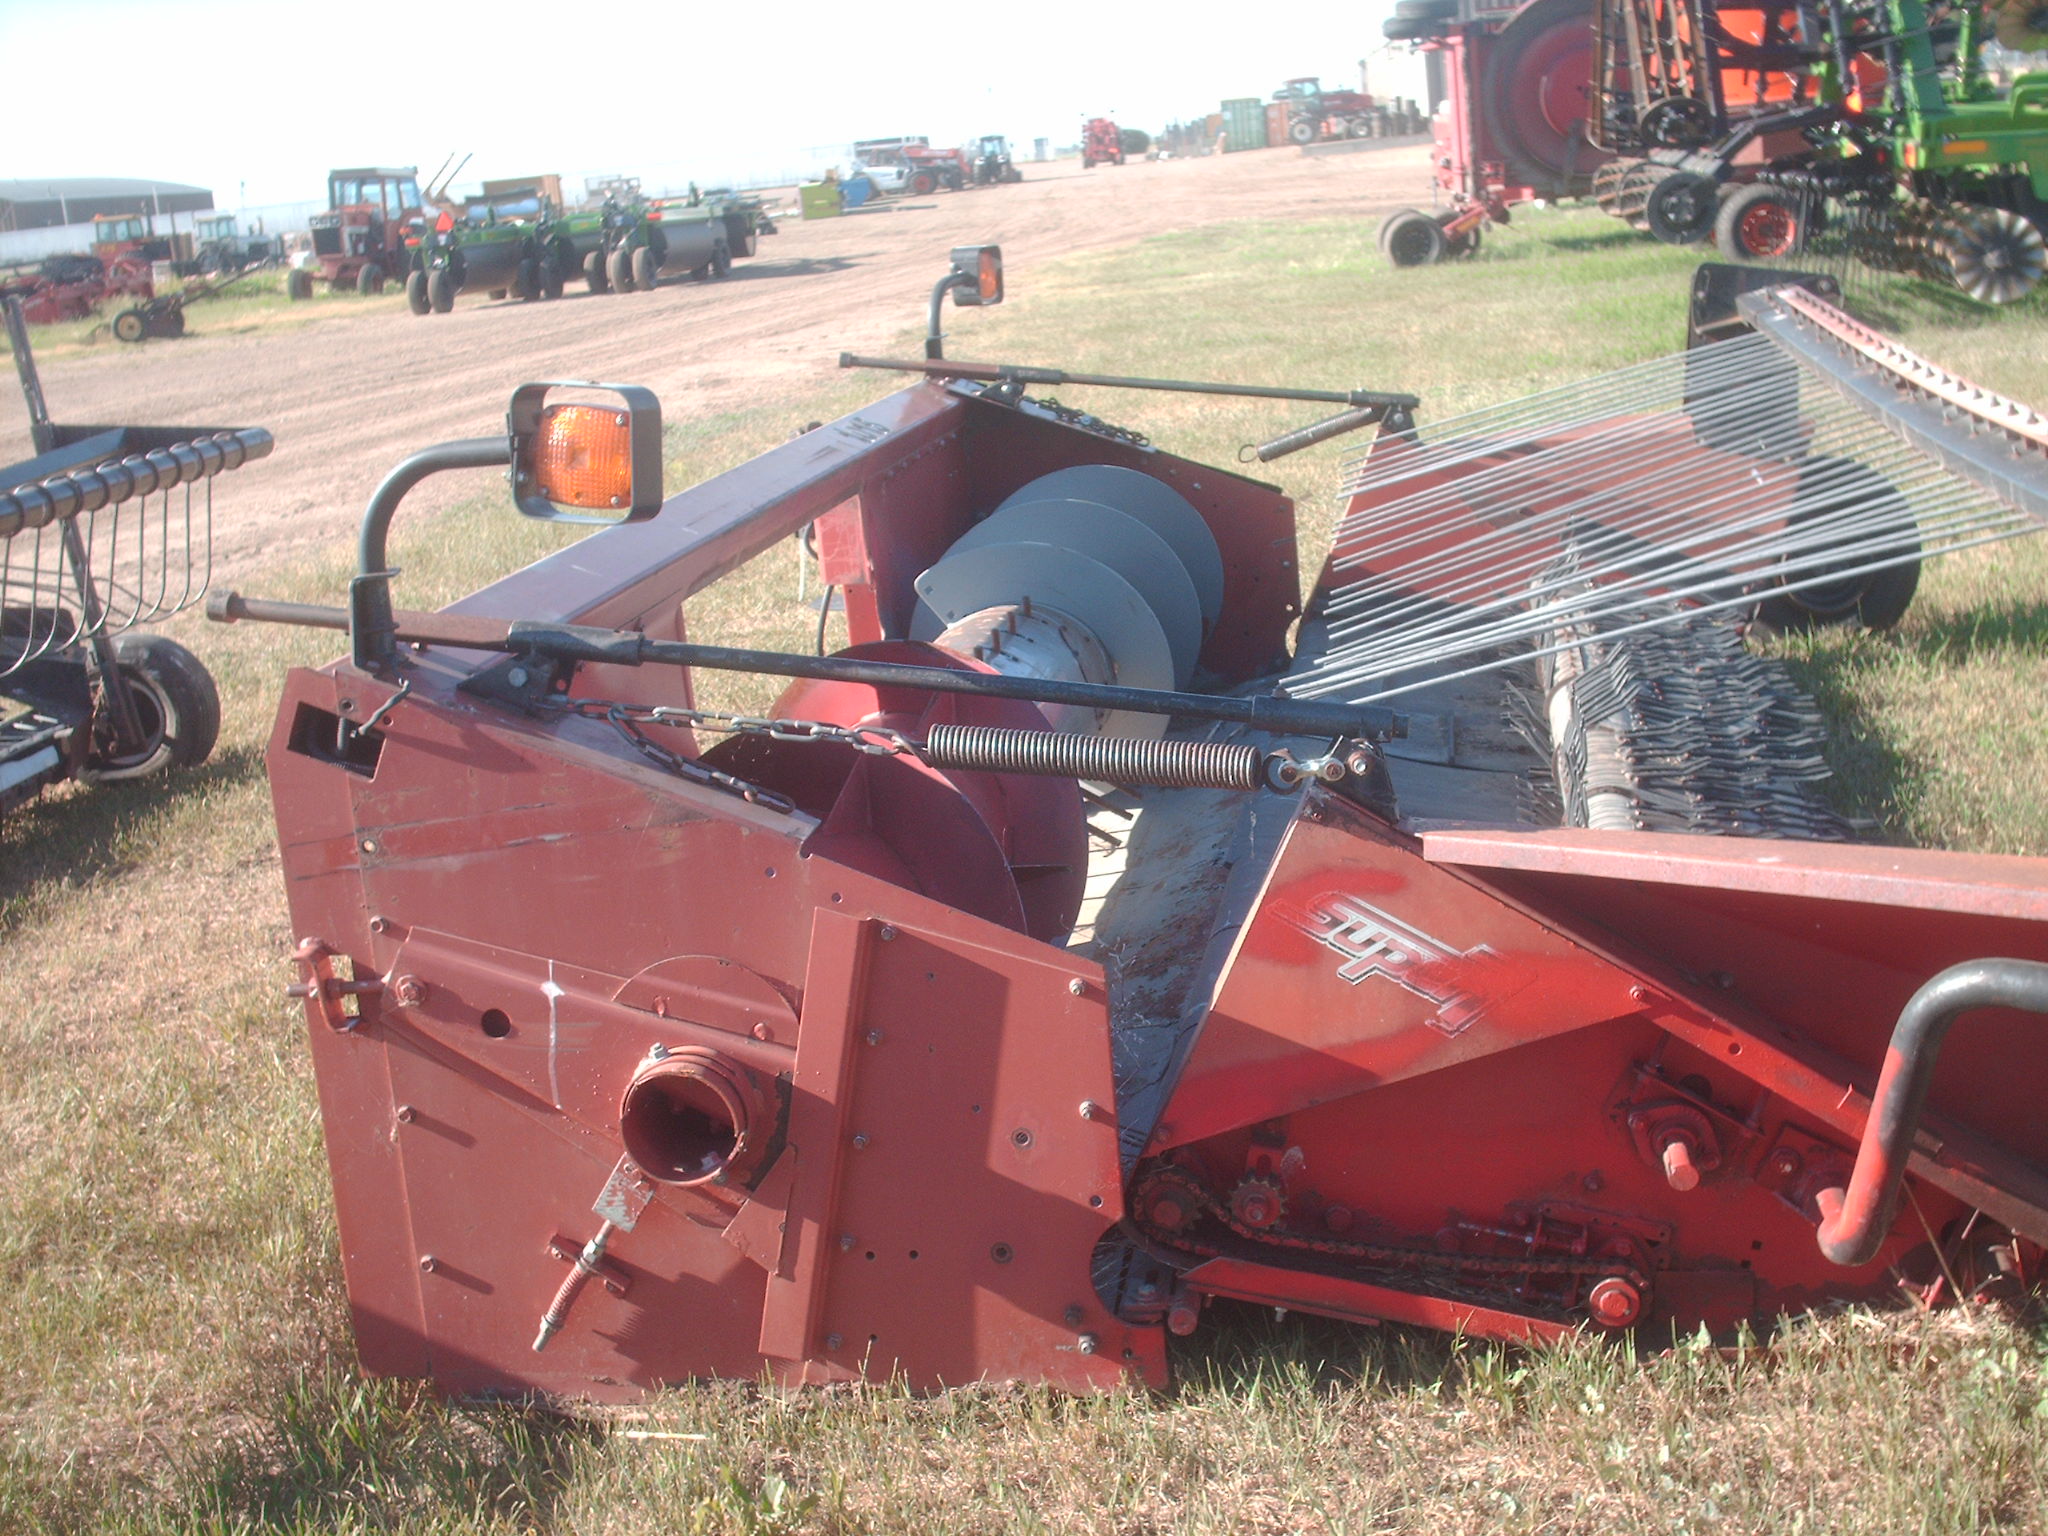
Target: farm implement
672	237
104	529
1082	945
499	244
361	241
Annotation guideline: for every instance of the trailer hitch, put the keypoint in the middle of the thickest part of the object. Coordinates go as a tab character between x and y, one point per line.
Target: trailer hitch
1855	1221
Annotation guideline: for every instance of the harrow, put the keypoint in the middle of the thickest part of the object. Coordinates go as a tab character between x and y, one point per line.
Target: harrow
1101	934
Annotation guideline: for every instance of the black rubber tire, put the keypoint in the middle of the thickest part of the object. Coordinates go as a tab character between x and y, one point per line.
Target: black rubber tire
370	280
179	708
1761	223
1414	240
645	275
1301	131
440	291
526	281
619	268
129	325
923	184
550	279
594	273
1387	223
416	292
174	322
1877	599
721	261
298	283
1683	208
742	241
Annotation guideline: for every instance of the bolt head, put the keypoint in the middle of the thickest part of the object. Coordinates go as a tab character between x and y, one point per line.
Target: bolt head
888	933
1078	987
1088	1344
1089	1109
833	1341
428	1263
860	1141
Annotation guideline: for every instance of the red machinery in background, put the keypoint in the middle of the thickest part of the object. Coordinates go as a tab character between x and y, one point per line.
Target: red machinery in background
1102	143
851	1039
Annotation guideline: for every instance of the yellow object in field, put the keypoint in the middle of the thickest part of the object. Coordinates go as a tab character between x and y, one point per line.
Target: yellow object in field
820	200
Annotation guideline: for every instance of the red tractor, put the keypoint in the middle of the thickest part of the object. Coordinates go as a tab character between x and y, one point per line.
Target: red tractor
361	240
125	249
1102	143
931	169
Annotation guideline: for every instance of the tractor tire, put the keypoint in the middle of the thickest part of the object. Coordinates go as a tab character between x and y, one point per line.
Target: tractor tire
644	274
526	281
1414	240
550	279
1874	599
721	261
1762	223
178	706
370	281
416	293
742	241
440	291
129	325
619	268
298	284
923	184
594	273
1302	132
1387	223
1682	208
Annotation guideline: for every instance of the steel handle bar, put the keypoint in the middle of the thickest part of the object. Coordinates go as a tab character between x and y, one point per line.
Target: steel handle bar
1018	373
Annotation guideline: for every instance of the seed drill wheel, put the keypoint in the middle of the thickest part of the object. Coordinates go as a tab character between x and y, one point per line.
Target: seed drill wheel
526	281
176	705
619	268
440	291
1387	223
1995	255
644	273
129	325
594	273
1681	208
1762	223
416	293
721	260
1413	240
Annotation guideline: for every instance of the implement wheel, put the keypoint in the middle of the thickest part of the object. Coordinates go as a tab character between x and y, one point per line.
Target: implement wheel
1380	237
129	325
1831	488
440	291
594	273
1995	255
1414	240
416	292
619	268
1681	208
176	705
644	274
1762	224
721	261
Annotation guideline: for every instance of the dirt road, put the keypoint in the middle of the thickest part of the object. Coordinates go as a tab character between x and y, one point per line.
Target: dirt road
349	396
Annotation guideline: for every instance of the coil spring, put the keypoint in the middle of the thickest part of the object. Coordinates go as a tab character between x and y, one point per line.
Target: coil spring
1114	759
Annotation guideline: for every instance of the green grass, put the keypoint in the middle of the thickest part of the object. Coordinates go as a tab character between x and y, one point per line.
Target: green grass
174	1347
256	302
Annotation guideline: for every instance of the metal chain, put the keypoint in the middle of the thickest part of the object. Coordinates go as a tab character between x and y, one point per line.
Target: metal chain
628	720
1095	424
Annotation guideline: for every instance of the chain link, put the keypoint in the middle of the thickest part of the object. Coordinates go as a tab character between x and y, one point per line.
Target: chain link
1095	424
629	719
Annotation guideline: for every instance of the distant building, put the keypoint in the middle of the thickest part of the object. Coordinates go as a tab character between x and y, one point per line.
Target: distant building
76	199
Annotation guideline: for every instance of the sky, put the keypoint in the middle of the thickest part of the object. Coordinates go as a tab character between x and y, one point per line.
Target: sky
259	101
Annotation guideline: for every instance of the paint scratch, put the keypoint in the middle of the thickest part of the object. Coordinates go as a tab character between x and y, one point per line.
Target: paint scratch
553	994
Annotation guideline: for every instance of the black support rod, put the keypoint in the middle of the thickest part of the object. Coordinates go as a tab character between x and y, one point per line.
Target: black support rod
584	643
1017	373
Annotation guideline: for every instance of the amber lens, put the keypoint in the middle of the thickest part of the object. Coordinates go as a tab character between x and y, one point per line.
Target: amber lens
991	276
583	456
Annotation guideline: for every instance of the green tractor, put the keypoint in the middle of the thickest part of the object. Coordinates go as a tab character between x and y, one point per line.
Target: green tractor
498	244
699	235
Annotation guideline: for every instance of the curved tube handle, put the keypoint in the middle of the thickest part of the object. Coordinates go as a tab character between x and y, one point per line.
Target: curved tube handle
1855	1221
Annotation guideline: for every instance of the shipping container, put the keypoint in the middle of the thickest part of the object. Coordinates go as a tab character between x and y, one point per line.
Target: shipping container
1276	122
1244	123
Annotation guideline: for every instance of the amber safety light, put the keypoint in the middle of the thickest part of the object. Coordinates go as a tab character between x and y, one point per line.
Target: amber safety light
977	274
583	460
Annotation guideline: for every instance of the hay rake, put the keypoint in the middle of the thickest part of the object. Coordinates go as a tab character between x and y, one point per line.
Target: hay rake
105	529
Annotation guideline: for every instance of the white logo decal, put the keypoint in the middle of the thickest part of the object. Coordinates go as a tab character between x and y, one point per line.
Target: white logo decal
1375	943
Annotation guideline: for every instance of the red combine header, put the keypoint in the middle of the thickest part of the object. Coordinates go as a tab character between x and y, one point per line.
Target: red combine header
1083	944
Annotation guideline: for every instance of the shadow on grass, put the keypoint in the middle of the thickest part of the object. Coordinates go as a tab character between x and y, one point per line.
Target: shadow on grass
1956	638
77	833
1872	774
1607	240
1243	1348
